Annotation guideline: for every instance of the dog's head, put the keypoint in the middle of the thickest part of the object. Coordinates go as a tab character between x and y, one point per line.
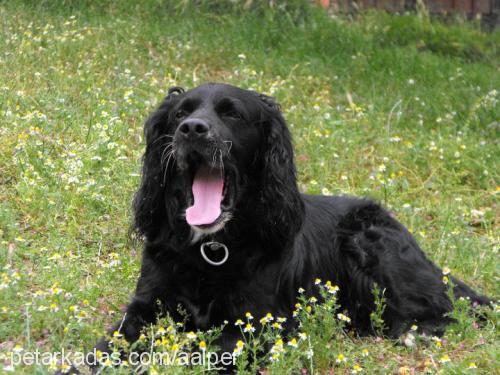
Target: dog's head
213	154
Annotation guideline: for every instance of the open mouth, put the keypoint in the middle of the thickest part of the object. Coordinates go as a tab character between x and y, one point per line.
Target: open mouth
211	197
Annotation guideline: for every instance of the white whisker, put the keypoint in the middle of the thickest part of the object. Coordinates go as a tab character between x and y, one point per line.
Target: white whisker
229	147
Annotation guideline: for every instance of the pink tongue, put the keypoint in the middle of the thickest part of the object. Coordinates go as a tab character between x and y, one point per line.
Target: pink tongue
207	193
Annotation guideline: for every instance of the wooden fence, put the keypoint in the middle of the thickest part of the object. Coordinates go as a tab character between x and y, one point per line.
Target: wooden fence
489	10
434	6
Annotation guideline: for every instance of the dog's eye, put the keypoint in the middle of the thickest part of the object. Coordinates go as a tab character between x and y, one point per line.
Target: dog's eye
181	113
232	114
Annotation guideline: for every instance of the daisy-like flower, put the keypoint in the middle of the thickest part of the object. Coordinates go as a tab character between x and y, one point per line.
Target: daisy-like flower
445	359
239	347
356	369
266	319
414	327
278	346
275	357
249	328
365	352
277	325
313	299
446	271
161	331
341	358
117	334
317	281
301	290
174	347
438	341
293	343
343	317
248	316
472	366
202	345
281	319
302	336
191	335
239	322
446	280
332	289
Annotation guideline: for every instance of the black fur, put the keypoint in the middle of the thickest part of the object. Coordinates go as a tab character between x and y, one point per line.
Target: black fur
278	239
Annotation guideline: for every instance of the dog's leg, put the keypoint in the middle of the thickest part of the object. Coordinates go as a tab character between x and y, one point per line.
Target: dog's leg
375	248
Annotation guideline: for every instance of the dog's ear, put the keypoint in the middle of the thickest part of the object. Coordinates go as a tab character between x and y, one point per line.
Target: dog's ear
148	205
278	184
159	118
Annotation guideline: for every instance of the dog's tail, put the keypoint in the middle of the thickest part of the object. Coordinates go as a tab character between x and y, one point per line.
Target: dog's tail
460	289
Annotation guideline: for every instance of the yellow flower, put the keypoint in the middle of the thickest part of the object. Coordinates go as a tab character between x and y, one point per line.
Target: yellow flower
341	358
356	368
445	280
277	325
203	345
472	365
343	317
293	343
414	327
266	319
446	271
98	354
444	359
239	347
117	334
277	347
317	281
239	322
249	328
438	341
191	335
365	352
248	316
332	289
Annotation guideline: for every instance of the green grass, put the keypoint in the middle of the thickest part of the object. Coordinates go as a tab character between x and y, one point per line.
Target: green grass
398	108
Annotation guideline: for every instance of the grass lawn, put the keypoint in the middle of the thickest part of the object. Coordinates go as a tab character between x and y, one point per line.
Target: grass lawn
399	108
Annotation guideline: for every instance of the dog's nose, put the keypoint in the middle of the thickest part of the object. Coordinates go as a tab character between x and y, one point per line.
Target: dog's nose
193	128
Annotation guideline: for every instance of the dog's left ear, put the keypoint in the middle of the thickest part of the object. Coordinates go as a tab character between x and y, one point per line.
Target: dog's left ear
279	191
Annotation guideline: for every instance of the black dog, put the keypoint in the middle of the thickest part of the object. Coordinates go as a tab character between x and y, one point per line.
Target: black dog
226	229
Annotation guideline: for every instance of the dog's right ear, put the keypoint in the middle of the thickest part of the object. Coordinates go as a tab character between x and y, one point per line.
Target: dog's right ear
149	205
153	124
